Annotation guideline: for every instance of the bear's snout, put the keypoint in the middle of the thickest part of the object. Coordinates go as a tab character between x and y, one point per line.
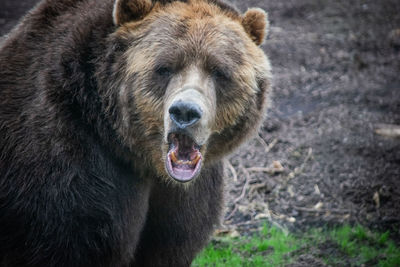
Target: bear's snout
185	114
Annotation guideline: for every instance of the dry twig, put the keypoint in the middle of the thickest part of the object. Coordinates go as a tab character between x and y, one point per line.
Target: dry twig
321	210
235	207
388	130
245	186
255	187
267	147
276	167
232	170
242	194
300	169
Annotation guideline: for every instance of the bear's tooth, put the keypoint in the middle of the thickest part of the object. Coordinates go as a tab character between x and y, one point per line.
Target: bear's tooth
173	157
194	161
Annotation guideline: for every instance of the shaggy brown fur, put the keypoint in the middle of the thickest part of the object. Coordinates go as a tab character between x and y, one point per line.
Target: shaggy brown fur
83	92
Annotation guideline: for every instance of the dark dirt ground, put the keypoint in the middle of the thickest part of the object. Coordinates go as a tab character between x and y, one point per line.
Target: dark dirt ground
336	67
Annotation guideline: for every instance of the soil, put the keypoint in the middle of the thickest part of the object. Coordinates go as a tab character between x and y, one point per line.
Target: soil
318	159
336	80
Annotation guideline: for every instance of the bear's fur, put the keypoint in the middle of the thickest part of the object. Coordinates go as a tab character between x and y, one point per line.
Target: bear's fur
83	143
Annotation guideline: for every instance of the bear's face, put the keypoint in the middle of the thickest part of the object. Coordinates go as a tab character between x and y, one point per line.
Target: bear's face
194	83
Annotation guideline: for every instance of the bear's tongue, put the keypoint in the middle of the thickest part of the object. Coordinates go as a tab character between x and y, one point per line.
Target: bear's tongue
184	158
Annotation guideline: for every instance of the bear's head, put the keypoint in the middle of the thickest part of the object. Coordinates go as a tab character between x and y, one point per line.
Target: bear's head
192	82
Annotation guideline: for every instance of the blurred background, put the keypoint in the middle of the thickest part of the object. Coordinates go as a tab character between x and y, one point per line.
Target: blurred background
323	175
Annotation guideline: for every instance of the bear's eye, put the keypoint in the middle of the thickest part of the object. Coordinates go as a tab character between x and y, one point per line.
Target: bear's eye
220	75
164	71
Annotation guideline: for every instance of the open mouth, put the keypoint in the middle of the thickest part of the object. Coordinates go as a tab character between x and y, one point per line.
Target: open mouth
184	157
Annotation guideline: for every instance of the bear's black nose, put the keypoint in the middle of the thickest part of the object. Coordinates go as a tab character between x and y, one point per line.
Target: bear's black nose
184	114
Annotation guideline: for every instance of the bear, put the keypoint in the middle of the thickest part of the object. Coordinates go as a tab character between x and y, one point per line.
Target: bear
115	118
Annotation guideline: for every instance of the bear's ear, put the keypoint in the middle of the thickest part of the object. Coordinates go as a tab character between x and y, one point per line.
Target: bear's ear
255	22
130	10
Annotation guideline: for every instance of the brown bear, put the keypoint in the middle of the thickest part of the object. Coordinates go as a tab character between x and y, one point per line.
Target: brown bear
114	118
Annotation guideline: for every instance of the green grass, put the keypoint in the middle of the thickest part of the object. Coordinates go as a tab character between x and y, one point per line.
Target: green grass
269	246
343	246
365	246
